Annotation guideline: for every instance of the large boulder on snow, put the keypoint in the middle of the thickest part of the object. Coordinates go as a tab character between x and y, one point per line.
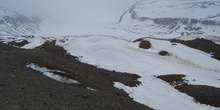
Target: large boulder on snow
145	44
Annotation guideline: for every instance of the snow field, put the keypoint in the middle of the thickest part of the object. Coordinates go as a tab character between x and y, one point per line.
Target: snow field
124	56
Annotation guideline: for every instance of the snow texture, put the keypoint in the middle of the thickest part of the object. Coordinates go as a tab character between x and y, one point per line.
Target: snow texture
124	56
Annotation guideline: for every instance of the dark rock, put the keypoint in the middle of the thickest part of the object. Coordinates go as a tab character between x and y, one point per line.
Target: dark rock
43	103
2	21
19	44
202	44
145	45
194	21
138	40
208	22
177	78
191	28
164	53
203	94
15	107
166	21
84	96
2	84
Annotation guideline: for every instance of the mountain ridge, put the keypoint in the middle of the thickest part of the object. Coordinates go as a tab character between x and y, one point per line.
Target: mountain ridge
13	23
152	18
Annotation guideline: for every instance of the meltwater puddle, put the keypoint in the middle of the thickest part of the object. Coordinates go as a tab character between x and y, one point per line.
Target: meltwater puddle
53	74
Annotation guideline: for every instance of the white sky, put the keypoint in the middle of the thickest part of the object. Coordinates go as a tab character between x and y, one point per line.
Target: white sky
72	17
72	10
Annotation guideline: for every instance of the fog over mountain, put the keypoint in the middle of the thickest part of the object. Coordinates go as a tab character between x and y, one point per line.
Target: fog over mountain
140	17
70	14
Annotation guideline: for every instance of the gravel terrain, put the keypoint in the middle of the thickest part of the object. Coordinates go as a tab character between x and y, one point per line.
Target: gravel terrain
23	88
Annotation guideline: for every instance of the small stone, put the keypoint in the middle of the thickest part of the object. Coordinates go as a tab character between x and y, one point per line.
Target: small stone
84	96
74	104
15	107
12	75
2	84
164	53
43	103
117	93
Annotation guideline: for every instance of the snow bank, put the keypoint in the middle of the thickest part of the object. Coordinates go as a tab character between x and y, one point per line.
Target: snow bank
34	42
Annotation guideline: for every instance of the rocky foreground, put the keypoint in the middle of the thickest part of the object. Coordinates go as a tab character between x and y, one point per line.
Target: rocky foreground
26	89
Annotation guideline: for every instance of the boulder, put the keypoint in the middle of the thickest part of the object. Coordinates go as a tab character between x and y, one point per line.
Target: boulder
145	45
164	53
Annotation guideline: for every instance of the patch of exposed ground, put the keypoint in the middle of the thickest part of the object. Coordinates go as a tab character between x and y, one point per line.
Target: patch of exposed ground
173	79
202	44
201	93
19	44
26	89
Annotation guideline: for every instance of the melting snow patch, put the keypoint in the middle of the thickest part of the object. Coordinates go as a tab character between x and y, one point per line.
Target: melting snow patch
34	42
50	73
89	88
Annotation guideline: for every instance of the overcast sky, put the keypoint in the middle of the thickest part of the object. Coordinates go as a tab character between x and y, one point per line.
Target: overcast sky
72	10
72	17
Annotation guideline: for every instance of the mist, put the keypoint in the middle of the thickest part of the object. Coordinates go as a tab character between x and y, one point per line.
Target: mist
72	10
70	17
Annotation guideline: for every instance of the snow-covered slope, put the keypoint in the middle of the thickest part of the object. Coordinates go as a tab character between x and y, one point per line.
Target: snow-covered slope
13	23
113	53
172	18
112	48
124	56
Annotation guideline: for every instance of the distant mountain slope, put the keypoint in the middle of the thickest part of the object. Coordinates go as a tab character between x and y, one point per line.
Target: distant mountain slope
13	23
172	18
